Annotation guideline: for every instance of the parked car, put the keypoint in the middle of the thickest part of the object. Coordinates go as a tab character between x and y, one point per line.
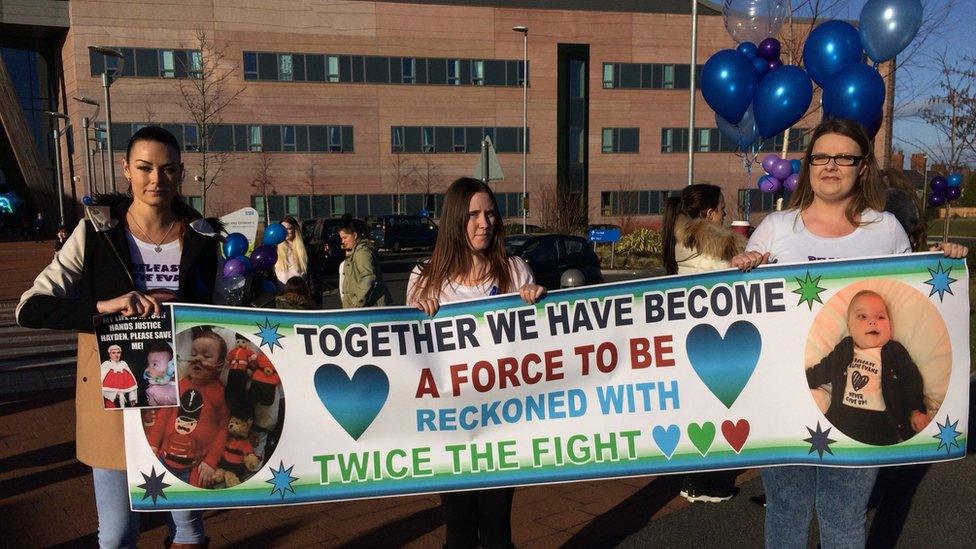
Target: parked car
323	244
551	255
396	232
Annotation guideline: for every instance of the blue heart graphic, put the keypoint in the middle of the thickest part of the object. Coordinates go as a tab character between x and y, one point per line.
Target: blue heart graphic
666	439
724	364
354	403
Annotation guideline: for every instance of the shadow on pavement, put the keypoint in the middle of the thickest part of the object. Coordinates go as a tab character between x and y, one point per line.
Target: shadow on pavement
40	479
40	457
400	532
628	516
22	402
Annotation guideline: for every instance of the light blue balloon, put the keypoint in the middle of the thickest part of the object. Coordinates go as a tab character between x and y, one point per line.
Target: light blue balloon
782	98
831	46
855	93
954	179
744	133
728	82
888	26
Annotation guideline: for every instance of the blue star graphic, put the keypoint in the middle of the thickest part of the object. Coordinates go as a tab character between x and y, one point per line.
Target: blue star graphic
947	435
941	282
269	335
281	480
154	485
820	441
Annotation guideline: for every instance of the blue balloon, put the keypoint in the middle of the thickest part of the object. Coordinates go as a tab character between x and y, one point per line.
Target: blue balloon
954	179
888	26
87	200
855	93
761	66
782	98
235	245
744	133
728	82
796	165
748	49
875	126
831	47
274	234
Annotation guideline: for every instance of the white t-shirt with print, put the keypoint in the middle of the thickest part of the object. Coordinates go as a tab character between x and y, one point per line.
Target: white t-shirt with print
452	291
863	389
787	239
154	271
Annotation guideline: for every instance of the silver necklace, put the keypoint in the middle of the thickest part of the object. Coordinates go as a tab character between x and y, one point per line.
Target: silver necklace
159	245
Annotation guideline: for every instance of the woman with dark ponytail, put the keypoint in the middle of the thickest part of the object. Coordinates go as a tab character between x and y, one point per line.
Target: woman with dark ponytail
695	240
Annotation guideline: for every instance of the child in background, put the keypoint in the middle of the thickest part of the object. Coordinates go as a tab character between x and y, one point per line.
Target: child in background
296	295
876	389
160	374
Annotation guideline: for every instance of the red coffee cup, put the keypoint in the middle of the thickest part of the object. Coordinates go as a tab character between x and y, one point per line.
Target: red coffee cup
742	227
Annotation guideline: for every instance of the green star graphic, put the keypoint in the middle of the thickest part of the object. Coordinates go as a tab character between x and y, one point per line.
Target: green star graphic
809	290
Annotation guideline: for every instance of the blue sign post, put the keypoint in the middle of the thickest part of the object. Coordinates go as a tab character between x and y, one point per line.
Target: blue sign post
609	234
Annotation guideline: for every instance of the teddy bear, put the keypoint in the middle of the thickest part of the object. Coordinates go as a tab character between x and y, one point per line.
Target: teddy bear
238	460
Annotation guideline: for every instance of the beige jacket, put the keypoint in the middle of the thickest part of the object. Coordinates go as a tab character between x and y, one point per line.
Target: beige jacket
701	245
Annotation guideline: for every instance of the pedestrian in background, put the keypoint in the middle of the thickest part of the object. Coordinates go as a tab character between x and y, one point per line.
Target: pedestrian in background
292	255
469	261
39	227
362	282
295	295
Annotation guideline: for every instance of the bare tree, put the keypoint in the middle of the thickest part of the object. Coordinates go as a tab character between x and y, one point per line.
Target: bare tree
264	183
427	179
310	181
404	176
627	204
207	92
951	111
560	212
150	119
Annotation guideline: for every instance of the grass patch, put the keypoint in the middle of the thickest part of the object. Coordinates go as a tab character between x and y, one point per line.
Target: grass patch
961	226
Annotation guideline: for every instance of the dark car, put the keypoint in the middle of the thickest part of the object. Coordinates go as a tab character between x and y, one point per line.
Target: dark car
396	232
551	255
323	244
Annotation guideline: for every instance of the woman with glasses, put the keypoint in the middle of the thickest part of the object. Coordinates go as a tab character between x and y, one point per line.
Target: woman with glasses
836	212
292	256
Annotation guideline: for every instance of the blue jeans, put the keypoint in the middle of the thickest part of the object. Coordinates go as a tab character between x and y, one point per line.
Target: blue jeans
118	526
839	495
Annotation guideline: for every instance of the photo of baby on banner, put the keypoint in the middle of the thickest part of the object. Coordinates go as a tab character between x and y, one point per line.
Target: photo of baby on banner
230	412
138	369
878	361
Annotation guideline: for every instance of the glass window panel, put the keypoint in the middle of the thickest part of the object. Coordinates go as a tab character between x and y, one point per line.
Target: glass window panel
453	72
345	69
437	71
147	63
129	54
301	138
335	139
181	63
222	138
250	65
298	67
443	139
377	70
630	75
358	68
607	145
409	70
512	73
668	83
478	72
191	140
647	75
285	69
421	77
428	139
194	63
396	138
522	73
411	139
288	138
347	141
608	75
629	140
267	66
291	205
704	140
494	73
577	79
667	140
317	139
167	64
271	138
254	138
682	77
458	139
241	137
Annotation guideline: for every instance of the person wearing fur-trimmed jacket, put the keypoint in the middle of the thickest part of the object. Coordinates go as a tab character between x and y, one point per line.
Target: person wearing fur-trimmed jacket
704	246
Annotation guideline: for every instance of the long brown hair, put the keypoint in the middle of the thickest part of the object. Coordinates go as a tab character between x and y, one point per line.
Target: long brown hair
694	202
868	191
452	255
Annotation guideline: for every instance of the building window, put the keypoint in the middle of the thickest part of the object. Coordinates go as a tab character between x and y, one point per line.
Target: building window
396	138
621	140
667	140
408	70
332	68
285	68
521	74
191	139
668	77
288	138
428	140
459	140
478	73
195	62
608	75
250	66
704	140
454	72
607	140
254	138
167	64
335	139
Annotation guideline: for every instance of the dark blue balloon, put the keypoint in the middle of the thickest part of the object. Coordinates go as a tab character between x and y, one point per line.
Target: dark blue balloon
782	98
748	49
796	165
856	92
831	47
875	126
761	66
235	245
744	133
86	200
728	82
888	26
274	234
954	179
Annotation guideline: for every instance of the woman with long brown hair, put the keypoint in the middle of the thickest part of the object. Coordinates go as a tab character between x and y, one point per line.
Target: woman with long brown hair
470	261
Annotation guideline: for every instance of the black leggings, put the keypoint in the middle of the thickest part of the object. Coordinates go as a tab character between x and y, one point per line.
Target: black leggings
478	518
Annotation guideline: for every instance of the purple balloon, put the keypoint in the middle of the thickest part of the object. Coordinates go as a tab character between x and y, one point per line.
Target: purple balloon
938	184
774	64
769	184
791	182
936	200
769	49
781	169
769	161
761	66
953	193
234	267
264	257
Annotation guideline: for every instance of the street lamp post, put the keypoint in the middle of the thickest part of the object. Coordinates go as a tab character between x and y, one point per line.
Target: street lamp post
525	115
86	123
691	98
57	133
106	84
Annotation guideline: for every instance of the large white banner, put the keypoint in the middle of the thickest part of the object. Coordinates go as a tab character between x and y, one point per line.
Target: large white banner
835	363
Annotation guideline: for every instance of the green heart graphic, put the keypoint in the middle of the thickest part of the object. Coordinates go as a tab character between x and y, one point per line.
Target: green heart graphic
702	436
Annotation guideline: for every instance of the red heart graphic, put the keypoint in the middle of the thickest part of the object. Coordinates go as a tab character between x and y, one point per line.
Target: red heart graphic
736	433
